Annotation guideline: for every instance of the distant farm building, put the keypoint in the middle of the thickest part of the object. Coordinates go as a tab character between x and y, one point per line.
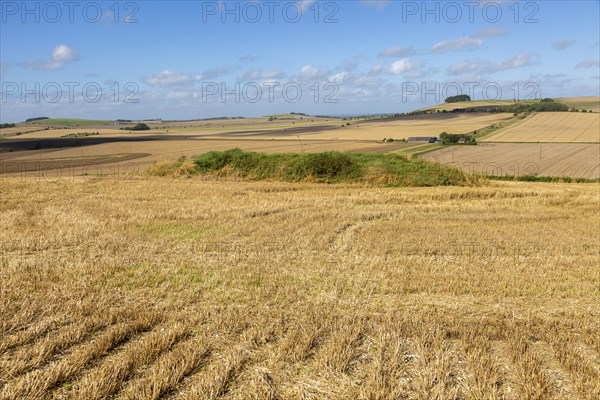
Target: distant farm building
426	139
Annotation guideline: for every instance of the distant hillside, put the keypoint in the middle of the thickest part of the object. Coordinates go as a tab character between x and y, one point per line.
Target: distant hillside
70	122
580	103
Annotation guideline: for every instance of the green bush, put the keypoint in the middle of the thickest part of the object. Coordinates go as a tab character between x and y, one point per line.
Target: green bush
330	166
327	167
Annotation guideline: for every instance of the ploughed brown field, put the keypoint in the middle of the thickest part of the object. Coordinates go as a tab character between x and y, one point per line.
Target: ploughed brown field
147	288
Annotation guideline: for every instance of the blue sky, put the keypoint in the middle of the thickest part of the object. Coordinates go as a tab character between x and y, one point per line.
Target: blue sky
194	59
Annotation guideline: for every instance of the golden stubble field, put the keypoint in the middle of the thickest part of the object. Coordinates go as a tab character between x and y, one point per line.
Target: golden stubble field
590	103
417	125
148	288
576	160
552	127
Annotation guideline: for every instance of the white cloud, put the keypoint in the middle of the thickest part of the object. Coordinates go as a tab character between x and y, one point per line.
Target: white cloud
260	75
167	78
483	3
517	61
377	68
397	51
380	4
464	67
248	58
217	72
457	44
61	55
339	77
491	32
563	44
588	64
305	4
310	72
402	66
485	66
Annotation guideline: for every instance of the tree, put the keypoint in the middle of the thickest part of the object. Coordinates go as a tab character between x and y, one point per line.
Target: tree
453	138
140	127
36	119
460	97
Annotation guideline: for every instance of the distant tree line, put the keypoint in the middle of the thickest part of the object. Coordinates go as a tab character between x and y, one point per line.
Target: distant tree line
516	108
460	97
36	119
138	127
2	126
535	107
457	138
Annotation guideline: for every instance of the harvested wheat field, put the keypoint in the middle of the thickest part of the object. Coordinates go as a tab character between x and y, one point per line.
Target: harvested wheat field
153	288
112	158
73	132
412	125
552	127
590	103
576	160
19	130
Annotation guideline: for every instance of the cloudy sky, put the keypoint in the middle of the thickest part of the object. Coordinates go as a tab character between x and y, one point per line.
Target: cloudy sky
200	59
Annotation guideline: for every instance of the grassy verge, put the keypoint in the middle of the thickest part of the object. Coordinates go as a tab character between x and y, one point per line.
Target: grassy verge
328	167
416	151
494	128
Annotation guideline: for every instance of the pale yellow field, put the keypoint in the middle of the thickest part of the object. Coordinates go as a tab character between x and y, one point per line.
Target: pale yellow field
58	133
565	127
148	288
315	129
582	103
578	160
411	126
20	129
